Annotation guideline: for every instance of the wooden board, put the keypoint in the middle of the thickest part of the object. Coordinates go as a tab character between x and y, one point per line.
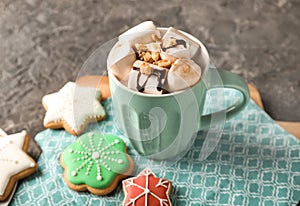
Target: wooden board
291	127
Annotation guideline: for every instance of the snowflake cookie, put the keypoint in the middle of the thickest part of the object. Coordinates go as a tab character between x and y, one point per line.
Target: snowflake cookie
147	190
15	164
96	162
72	108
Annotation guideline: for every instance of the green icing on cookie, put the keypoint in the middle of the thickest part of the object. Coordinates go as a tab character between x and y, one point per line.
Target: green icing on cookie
95	160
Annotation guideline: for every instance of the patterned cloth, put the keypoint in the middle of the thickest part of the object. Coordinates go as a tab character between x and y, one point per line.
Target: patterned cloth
256	162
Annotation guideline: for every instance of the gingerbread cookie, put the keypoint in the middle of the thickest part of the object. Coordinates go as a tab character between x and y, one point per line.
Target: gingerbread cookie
96	163
16	162
20	139
72	108
146	189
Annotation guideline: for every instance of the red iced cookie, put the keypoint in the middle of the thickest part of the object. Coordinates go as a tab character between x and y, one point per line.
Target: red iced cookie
147	189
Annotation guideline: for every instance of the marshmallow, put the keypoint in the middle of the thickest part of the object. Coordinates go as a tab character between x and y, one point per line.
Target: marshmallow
142	33
165	56
183	73
148	52
120	60
147	78
153	47
176	44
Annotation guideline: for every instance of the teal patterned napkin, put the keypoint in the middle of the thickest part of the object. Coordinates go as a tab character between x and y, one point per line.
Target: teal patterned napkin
256	162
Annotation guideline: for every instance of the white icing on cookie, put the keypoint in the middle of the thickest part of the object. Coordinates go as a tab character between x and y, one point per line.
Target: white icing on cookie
145	190
95	155
18	138
74	105
13	159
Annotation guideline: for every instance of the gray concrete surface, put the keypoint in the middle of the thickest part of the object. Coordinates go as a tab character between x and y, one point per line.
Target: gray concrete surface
44	43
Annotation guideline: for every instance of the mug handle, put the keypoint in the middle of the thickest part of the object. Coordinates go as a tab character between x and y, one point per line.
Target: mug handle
232	81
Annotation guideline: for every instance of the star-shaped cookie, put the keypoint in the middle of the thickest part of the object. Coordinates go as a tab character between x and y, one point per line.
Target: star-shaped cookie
20	139
16	162
146	189
72	108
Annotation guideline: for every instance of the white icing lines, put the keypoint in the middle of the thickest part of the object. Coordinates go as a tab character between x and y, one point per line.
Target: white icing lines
3	159
146	190
7	159
163	183
13	160
95	156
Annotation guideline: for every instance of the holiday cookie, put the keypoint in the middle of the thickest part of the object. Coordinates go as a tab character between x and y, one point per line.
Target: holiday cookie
20	139
146	189
72	108
16	162
96	163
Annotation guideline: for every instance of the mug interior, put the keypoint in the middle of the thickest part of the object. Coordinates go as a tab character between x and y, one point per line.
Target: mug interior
204	61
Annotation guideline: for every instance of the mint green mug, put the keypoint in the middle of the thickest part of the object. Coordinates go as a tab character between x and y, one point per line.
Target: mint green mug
164	126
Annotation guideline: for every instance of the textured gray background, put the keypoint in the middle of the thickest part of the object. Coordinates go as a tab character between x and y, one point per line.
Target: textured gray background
44	43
